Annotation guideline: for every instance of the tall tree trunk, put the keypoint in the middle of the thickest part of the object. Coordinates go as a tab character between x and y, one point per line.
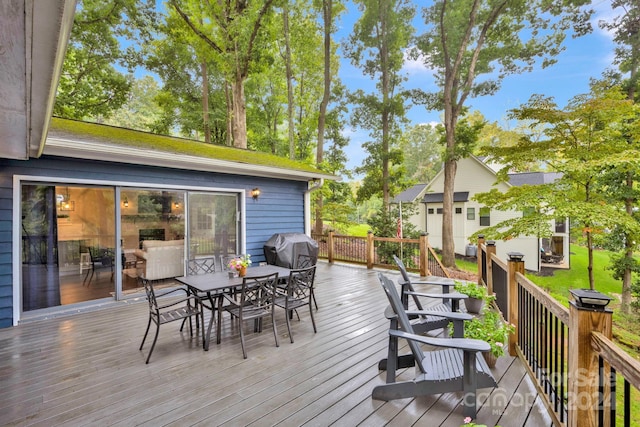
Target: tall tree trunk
205	102
289	75
450	169
229	98
386	89
239	111
592	284
327	8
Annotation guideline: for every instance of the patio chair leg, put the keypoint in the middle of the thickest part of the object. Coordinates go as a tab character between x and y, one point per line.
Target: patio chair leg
275	329
205	341
289	327
313	321
145	333
244	352
154	343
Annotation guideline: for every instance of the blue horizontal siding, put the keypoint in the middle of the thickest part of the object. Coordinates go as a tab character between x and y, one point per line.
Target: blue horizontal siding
280	207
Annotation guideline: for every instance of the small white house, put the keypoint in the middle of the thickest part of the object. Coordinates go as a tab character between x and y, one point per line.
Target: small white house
474	176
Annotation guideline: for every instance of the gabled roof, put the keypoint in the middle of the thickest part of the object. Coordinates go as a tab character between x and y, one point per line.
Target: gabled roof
533	178
410	194
82	140
458	196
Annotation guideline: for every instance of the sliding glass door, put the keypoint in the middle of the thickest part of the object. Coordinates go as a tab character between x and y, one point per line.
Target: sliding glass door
213	225
75	249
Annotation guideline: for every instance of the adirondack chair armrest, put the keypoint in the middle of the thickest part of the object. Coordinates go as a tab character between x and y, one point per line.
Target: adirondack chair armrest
434	282
453	315
452	295
465	344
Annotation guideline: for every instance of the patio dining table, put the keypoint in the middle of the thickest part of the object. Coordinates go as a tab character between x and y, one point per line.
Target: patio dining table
215	285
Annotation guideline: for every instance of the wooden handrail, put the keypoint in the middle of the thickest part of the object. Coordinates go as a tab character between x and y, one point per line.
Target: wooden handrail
560	311
621	361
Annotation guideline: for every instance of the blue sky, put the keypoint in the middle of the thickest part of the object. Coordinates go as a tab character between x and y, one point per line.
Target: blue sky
584	58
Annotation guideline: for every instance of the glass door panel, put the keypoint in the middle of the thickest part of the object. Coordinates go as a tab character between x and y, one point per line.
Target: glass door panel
68	244
150	220
213	226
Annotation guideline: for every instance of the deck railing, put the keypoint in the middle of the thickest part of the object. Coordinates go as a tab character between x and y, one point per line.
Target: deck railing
375	251
568	352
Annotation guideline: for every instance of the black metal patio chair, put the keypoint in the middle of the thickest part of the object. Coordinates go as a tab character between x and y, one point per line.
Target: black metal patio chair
171	311
297	293
256	302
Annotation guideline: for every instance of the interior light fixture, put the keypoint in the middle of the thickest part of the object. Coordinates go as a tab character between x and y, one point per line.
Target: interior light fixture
176	204
125	202
255	193
67	204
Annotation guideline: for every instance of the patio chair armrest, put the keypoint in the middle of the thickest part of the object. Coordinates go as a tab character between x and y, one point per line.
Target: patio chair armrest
452	295
453	315
465	344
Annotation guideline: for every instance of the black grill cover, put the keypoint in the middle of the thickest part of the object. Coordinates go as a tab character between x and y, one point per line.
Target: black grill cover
283	249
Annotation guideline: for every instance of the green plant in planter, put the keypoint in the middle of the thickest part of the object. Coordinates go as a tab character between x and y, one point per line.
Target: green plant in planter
491	328
471	289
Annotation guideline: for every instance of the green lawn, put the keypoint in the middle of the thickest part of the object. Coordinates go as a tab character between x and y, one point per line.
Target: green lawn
577	277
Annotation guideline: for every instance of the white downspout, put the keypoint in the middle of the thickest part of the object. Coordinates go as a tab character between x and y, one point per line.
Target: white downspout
313	185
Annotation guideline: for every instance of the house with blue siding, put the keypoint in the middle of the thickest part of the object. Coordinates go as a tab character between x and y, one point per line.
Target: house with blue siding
88	208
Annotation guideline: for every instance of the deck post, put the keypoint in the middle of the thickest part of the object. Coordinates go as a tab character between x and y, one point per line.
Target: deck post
583	397
330	246
370	249
491	250
424	254
515	264
479	257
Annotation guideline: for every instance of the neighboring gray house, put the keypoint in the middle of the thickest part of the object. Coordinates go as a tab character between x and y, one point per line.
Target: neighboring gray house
72	191
474	176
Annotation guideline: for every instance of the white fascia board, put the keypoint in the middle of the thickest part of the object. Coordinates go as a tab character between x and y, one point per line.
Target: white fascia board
122	154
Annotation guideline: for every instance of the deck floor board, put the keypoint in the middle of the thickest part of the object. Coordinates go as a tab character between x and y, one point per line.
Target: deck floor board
85	369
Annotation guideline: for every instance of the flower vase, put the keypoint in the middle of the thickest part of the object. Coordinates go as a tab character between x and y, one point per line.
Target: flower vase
242	272
474	305
490	358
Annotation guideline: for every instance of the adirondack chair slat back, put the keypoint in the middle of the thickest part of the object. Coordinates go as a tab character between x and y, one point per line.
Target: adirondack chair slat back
406	285
403	319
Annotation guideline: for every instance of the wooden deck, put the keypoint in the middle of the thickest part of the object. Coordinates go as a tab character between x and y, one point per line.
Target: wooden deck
85	369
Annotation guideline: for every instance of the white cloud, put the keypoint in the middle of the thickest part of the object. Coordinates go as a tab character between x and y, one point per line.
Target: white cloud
415	66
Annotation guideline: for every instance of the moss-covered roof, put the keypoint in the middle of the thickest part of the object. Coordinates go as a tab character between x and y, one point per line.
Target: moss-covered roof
168	144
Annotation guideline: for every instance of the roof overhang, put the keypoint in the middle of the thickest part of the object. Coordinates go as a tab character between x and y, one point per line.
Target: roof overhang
33	40
124	154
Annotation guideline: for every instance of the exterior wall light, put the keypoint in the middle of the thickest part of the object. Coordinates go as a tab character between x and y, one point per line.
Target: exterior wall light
255	193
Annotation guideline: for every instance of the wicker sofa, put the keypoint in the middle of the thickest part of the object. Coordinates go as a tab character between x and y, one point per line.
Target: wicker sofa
163	258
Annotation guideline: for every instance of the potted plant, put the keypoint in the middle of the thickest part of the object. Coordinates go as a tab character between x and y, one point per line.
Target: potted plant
240	264
490	327
477	295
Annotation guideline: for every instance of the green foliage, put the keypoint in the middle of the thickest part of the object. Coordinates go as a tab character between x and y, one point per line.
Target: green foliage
471	46
422	153
377	46
90	85
490	327
384	223
587	144
471	289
